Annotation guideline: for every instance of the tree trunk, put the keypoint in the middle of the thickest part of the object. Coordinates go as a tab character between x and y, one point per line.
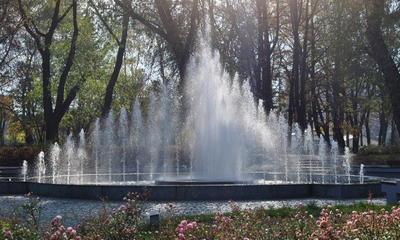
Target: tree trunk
356	139
266	63
337	117
302	118
296	56
117	68
392	133
367	128
382	129
260	52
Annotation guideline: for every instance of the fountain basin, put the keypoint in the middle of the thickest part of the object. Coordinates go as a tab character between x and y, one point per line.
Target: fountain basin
198	192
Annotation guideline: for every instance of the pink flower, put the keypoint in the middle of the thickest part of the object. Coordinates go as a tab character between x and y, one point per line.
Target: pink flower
190	226
323	224
349	223
184	222
73	233
180	236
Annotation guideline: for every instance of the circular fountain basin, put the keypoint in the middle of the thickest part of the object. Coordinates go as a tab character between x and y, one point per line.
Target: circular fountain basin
200	191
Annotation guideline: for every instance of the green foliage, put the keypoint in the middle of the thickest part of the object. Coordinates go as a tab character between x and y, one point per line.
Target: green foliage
23	222
378	150
122	223
14	156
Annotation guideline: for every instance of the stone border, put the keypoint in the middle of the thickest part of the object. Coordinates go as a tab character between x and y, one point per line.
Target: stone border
198	192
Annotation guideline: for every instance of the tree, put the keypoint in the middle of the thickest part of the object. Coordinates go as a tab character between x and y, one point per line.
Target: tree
267	39
10	24
381	54
27	111
6	109
121	43
172	26
301	14
53	112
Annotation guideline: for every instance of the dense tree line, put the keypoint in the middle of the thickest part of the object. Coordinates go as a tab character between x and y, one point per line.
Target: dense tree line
331	64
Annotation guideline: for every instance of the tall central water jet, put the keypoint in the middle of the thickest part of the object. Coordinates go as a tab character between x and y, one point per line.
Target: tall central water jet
215	117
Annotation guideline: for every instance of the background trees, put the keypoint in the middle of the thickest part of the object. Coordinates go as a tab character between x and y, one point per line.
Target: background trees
319	62
378	49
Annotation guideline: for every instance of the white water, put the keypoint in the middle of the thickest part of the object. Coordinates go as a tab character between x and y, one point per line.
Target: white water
41	166
55	160
347	157
24	172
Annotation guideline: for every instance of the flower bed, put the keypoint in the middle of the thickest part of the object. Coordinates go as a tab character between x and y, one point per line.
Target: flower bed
362	221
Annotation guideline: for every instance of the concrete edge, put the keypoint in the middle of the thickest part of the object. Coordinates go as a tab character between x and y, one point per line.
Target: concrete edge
198	192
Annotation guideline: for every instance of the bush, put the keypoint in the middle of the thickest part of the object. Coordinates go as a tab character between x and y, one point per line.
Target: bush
14	156
378	150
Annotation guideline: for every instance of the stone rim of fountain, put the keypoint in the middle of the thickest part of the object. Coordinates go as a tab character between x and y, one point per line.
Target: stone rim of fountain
200	181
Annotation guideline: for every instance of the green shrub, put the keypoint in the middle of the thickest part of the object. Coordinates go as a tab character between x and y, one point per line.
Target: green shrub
378	150
14	156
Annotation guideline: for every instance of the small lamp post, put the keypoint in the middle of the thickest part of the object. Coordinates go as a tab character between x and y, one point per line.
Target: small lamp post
154	218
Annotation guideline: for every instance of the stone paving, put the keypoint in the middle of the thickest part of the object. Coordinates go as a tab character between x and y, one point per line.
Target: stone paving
72	210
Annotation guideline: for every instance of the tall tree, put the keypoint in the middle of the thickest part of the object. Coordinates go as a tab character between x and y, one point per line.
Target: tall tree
10	23
6	110
267	39
380	53
53	112
26	112
121	43
300	16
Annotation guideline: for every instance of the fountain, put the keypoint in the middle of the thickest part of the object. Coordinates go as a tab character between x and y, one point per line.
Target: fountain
226	148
